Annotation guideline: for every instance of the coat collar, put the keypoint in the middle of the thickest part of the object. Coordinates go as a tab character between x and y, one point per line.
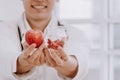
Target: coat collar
24	25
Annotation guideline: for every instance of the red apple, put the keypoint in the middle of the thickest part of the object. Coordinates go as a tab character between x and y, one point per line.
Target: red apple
34	36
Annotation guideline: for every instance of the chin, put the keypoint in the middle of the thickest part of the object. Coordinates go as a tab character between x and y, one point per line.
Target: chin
40	17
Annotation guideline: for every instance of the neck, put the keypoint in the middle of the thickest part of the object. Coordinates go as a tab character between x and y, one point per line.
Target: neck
38	24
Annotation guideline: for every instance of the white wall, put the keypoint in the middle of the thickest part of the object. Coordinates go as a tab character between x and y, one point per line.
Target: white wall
10	9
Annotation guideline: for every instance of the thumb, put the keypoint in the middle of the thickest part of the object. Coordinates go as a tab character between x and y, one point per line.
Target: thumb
25	45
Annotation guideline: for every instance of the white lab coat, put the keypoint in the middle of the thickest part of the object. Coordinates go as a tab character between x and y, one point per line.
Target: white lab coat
10	49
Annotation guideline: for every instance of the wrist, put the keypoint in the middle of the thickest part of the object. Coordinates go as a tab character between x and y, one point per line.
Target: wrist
22	65
74	64
70	68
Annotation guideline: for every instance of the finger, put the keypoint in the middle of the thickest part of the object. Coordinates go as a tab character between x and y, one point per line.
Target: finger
42	58
25	45
34	58
48	63
62	53
29	50
42	46
55	57
36	61
58	53
49	59
39	50
36	54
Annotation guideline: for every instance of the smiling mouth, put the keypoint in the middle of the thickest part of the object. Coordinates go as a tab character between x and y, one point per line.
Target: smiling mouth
39	6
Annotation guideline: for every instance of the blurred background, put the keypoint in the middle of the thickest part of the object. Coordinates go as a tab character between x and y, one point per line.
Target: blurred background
99	19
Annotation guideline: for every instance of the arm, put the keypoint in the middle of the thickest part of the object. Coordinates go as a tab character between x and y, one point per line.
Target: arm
81	49
65	64
75	66
78	45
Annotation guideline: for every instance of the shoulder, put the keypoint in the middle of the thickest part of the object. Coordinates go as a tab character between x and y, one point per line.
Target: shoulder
76	33
72	29
8	28
8	25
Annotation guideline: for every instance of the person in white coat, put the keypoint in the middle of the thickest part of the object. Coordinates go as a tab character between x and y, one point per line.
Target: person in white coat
17	63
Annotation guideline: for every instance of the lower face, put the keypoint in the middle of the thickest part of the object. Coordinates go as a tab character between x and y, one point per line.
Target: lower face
39	9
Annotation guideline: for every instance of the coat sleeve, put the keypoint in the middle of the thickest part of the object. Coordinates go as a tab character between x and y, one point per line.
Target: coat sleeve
31	75
9	52
78	45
